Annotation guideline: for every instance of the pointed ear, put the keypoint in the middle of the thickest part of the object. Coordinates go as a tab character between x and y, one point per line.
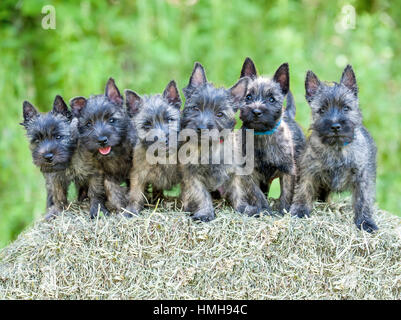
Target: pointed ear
132	101
59	106
239	89
312	85
77	104
282	76
198	76
248	69
172	95
29	112
111	91
348	79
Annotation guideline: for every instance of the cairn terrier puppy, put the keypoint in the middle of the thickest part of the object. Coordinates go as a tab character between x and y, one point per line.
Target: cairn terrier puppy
278	138
157	120
106	132
53	143
207	110
340	153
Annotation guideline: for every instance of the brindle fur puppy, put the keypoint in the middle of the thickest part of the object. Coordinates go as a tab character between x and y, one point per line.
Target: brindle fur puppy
53	143
210	108
340	153
278	138
157	120
106	132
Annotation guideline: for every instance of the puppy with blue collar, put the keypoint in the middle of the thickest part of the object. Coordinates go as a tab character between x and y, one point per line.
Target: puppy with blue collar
278	139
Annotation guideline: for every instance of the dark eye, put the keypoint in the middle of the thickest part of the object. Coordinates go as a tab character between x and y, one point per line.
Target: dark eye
36	141
111	120
147	124
346	108
322	110
170	120
271	99
58	137
248	97
219	114
88	124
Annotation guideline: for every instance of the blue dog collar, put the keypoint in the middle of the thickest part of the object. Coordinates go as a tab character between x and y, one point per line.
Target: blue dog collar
269	132
347	143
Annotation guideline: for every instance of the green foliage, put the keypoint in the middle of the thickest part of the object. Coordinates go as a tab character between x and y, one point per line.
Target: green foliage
144	44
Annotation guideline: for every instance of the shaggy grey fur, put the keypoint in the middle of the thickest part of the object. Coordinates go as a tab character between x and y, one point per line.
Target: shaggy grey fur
61	158
151	113
276	153
340	153
210	108
106	132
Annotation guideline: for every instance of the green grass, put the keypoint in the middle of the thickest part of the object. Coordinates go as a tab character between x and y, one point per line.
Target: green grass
144	44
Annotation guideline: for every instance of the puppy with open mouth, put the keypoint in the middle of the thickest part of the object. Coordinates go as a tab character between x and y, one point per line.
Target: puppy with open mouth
105	130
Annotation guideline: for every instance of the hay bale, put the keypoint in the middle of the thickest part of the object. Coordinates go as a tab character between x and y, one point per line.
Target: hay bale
164	255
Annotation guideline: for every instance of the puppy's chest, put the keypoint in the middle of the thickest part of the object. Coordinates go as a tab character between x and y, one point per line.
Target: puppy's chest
82	167
164	176
217	170
337	180
338	173
117	167
214	176
271	155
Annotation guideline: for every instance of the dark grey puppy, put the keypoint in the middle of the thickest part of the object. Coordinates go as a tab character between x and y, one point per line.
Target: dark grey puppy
210	108
340	153
105	131
157	121
54	147
278	138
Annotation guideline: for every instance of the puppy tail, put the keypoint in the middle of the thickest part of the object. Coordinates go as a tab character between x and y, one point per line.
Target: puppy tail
290	109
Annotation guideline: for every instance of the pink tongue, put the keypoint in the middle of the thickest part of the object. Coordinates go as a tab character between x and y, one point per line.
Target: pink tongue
105	151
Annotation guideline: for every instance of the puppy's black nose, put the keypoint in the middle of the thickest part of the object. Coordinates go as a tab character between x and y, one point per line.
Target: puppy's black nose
48	157
336	127
102	140
257	112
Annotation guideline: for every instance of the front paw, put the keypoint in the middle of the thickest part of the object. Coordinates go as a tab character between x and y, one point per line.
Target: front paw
131	211
251	211
204	215
300	211
52	213
366	224
96	208
281	207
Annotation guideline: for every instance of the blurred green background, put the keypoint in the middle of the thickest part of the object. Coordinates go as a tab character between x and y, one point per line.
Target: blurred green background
143	44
